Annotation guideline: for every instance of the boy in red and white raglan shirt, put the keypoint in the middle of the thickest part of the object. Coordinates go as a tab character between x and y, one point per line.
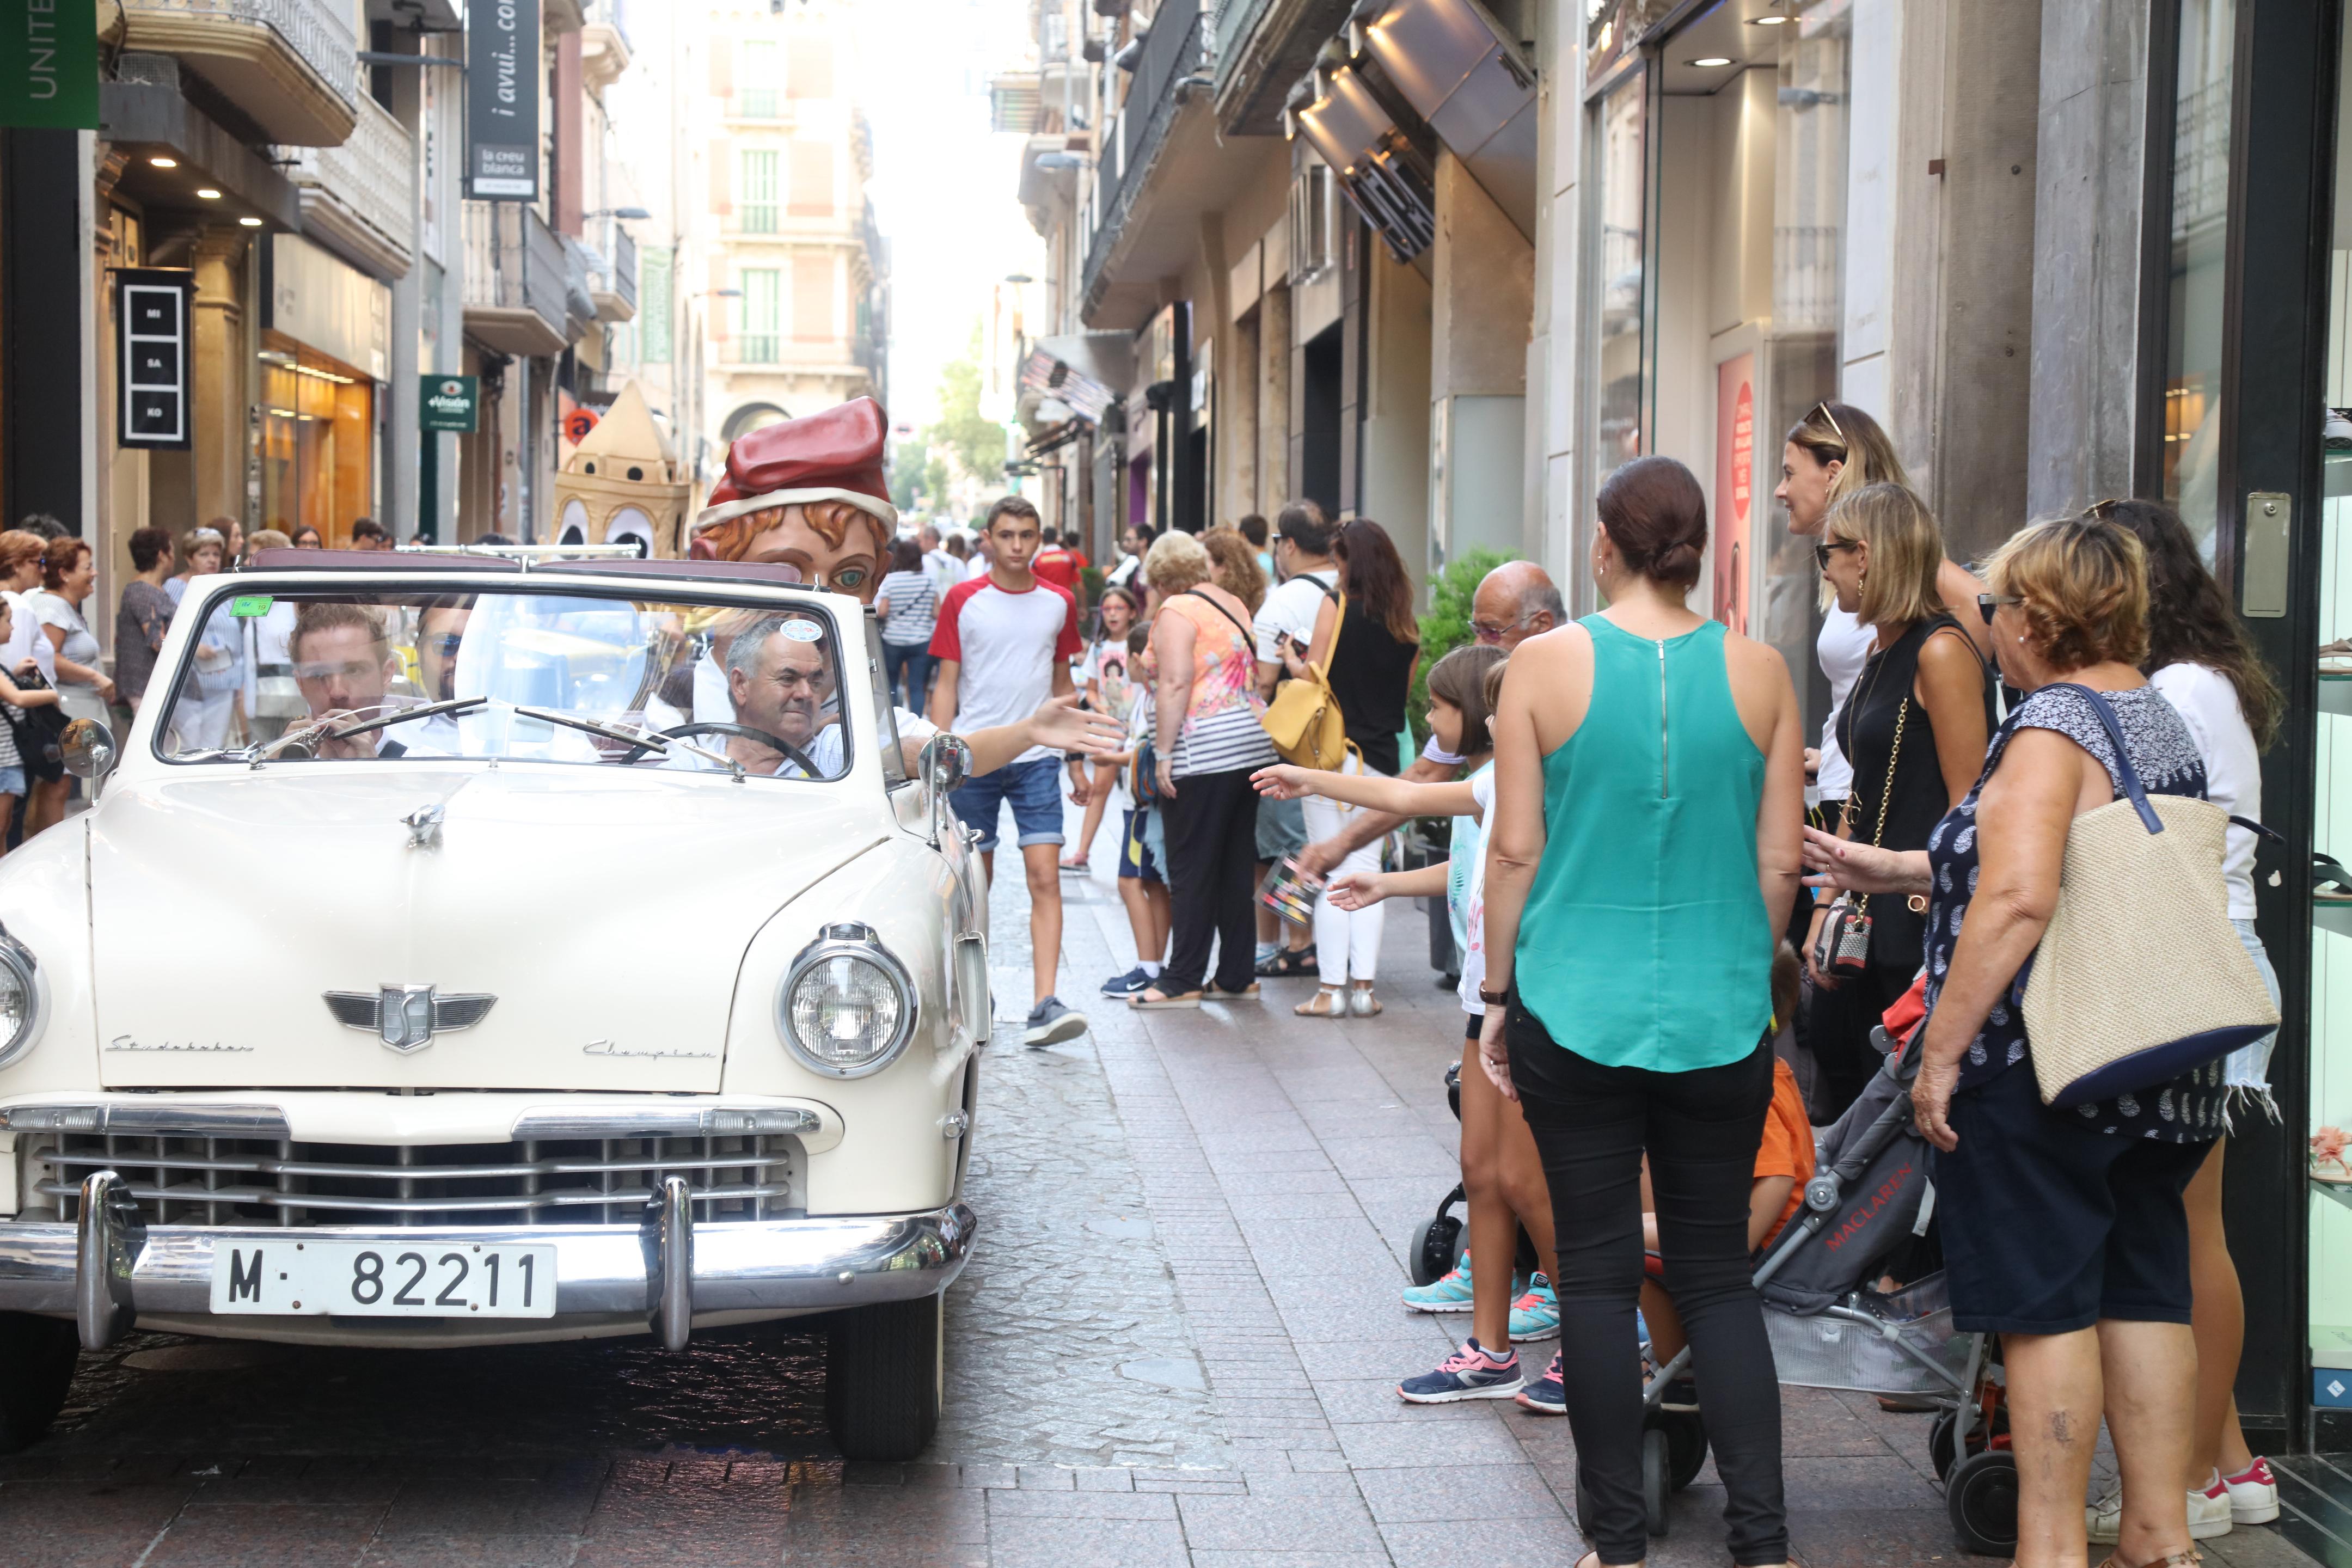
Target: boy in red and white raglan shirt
1004	643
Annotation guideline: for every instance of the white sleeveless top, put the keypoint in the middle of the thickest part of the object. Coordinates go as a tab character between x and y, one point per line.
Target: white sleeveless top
1843	650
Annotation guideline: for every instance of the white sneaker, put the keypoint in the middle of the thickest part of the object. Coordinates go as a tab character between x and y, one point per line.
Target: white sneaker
2254	1496
2209	1516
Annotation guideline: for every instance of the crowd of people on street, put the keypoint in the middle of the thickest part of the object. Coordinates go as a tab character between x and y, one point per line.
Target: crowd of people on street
1690	929
1685	922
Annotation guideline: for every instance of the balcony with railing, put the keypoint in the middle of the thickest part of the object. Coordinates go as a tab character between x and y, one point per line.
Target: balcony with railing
613	280
517	280
1171	53
1258	48
291	66
360	199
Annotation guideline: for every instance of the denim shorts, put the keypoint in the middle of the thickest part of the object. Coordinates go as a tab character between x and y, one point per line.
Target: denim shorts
1142	846
1034	788
1281	828
12	781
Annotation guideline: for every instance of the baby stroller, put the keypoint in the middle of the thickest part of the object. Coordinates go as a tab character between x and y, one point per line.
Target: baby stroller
1439	1240
1831	1328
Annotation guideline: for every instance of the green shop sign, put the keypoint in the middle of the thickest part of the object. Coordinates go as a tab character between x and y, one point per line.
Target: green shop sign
49	63
444	402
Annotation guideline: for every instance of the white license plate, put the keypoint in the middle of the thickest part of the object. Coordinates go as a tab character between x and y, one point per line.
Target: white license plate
383	1279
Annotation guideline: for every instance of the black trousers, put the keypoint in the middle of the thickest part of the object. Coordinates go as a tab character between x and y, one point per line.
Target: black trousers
1212	826
1701	1129
1836	1028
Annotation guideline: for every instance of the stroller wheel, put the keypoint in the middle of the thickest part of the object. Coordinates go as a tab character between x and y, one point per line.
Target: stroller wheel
1943	1447
1980	1494
1685	1445
1658	1479
1436	1248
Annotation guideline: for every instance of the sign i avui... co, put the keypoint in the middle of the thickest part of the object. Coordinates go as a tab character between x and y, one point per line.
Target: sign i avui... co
502	57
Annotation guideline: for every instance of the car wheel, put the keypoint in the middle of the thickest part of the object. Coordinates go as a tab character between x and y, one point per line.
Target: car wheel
36	1365
885	1371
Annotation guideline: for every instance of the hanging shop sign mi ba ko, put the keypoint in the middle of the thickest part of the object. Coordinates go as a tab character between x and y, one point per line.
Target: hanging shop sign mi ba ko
49	64
448	403
502	100
153	386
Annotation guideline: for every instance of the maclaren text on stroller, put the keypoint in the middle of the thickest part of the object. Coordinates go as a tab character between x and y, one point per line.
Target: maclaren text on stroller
1831	1328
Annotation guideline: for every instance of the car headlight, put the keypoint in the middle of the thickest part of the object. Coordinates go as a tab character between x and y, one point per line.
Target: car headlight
848	1006
20	999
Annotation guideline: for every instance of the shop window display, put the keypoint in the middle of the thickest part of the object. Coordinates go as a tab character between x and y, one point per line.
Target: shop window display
318	441
2201	202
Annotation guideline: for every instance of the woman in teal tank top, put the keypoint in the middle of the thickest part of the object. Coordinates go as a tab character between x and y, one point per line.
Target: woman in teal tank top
1643	857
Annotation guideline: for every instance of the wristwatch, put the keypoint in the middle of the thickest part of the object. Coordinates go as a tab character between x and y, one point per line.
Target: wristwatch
1495	998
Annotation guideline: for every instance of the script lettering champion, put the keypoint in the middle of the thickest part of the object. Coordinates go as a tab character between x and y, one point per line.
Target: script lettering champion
125	1043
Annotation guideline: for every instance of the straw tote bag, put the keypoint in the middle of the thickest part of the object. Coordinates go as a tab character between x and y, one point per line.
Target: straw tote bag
2140	975
1304	720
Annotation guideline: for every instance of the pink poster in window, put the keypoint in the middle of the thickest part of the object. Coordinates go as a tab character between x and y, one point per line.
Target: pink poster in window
1735	480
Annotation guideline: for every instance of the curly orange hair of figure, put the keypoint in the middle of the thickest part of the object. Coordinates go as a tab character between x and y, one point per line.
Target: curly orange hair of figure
732	540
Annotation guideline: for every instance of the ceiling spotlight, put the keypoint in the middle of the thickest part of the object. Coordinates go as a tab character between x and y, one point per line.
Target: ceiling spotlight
165	163
208	193
250	222
1771	19
1710	62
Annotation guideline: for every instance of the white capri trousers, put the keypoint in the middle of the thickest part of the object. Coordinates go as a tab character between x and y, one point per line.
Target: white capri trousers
1347	946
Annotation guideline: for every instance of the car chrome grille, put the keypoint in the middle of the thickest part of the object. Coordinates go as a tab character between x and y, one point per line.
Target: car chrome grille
195	1179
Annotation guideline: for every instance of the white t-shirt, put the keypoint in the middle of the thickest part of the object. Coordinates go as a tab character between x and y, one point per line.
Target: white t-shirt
1843	650
943	569
1474	896
976	568
2207	704
25	638
1006	645
1292	607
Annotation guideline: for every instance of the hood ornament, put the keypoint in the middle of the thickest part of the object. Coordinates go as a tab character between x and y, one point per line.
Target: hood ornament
424	826
406	1017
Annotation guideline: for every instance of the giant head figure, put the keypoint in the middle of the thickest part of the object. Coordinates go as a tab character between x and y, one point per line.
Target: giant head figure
808	493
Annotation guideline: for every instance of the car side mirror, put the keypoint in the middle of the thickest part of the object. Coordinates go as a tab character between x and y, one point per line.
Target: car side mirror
947	761
87	747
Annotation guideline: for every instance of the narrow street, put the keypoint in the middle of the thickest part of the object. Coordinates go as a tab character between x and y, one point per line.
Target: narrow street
1177	1344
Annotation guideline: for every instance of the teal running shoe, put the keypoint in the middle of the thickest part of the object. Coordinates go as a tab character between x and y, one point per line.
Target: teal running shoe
1536	1315
1451	1294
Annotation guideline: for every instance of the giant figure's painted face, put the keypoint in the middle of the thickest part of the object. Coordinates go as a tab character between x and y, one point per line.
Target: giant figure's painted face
835	544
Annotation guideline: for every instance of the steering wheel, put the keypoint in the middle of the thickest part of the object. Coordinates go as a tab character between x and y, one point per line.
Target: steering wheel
791	753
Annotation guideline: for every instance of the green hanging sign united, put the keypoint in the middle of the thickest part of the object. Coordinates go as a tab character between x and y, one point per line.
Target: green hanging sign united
49	64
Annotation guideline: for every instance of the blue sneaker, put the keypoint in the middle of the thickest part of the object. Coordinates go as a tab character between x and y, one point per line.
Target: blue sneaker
1125	984
1451	1294
1470	1373
1536	1315
1547	1396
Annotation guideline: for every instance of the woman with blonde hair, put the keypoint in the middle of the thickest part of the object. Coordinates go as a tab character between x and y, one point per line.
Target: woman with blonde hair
1914	731
1207	733
2064	1227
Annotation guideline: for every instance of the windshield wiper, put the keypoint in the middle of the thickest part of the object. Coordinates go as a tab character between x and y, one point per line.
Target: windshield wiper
448	705
633	735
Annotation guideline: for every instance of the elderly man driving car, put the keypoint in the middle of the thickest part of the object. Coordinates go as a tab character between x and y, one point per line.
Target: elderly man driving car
779	677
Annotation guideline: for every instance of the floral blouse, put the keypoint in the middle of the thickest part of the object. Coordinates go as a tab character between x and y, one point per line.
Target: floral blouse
2189	1109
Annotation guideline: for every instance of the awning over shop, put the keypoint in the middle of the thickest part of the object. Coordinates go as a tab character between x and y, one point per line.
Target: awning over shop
1084	372
1461	73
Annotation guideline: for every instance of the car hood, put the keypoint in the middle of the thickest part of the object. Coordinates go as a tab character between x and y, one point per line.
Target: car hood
606	912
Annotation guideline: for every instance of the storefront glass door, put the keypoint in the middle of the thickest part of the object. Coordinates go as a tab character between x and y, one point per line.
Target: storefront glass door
318	441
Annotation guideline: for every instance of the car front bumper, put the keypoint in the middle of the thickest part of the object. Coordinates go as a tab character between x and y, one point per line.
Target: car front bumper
107	1270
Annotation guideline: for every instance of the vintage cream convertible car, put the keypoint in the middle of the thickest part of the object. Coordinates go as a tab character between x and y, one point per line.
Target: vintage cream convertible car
576	953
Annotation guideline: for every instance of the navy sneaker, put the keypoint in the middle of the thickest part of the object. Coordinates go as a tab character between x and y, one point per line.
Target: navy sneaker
1050	1022
1125	984
1547	1396
1471	1372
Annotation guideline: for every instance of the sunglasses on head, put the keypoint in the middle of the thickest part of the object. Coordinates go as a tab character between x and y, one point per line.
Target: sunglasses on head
1822	408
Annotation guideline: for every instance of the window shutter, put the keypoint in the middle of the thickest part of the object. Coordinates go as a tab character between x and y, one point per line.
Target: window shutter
809	71
812	192
722	68
721	317
812	303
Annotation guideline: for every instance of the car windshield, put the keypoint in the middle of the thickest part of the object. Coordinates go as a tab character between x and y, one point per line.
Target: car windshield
523	673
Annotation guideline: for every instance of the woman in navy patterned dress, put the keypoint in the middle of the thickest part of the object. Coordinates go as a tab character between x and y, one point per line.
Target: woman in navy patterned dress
2062	1226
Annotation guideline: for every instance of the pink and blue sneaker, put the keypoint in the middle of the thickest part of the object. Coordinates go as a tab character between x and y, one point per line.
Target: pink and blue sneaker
1449	1294
1536	1315
1471	1372
1547	1396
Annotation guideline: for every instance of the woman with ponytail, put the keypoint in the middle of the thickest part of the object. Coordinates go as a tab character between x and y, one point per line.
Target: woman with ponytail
1643	857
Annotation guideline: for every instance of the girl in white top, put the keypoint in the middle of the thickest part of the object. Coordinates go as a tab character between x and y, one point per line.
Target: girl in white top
1502	1178
2199	658
1834	450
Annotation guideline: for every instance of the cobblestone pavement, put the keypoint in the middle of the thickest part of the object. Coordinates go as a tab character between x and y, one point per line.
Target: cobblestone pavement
1177	1344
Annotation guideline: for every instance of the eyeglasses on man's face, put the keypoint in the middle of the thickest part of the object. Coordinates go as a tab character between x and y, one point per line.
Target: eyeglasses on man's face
1989	603
1822	550
1496	631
